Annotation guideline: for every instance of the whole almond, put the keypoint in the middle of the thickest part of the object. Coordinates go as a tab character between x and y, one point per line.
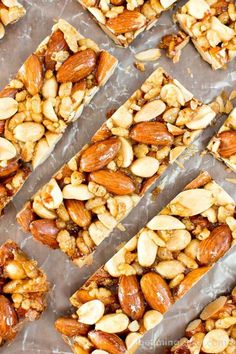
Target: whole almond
130	297
31	73
156	292
71	327
189	281
8	92
153	133
78	213
55	44
227	144
199	181
215	246
77	67
45	231
114	182
106	63
101	134
8	170
79	86
107	341
127	21
26	216
99	154
8	319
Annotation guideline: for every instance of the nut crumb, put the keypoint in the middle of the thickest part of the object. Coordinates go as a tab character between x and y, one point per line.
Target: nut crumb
139	66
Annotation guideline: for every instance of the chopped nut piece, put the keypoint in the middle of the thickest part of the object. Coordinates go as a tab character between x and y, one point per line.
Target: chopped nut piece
173	44
211	26
23	288
157	267
47	94
103	182
223	144
10	12
149	55
139	66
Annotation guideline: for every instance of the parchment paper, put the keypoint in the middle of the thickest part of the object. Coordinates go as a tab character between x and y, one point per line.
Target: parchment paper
20	40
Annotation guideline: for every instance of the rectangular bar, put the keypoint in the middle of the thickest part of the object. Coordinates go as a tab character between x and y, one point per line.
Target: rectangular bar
211	24
49	92
123	20
213	331
103	182
223	144
11	11
129	294
23	289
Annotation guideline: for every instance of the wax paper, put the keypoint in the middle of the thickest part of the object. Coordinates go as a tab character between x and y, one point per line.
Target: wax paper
21	39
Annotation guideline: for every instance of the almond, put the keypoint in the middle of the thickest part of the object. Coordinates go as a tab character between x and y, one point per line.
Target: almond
8	92
130	297
199	181
9	169
213	308
153	133
45	231
156	292
8	319
194	327
106	64
79	86
189	281
227	144
99	154
31	73
26	216
101	134
107	341
115	182
71	327
55	44
78	213
215	246
77	67
127	21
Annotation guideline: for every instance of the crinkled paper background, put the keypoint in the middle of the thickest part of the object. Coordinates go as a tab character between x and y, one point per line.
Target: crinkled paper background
20	40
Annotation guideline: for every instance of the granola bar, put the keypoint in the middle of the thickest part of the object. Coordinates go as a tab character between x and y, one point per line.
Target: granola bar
211	24
49	92
124	20
23	287
10	12
129	294
223	145
214	331
93	192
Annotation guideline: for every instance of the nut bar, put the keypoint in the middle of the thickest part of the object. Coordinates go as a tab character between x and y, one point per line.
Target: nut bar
93	192
10	12
214	331
130	293
223	145
50	90
124	20
23	288
211	24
